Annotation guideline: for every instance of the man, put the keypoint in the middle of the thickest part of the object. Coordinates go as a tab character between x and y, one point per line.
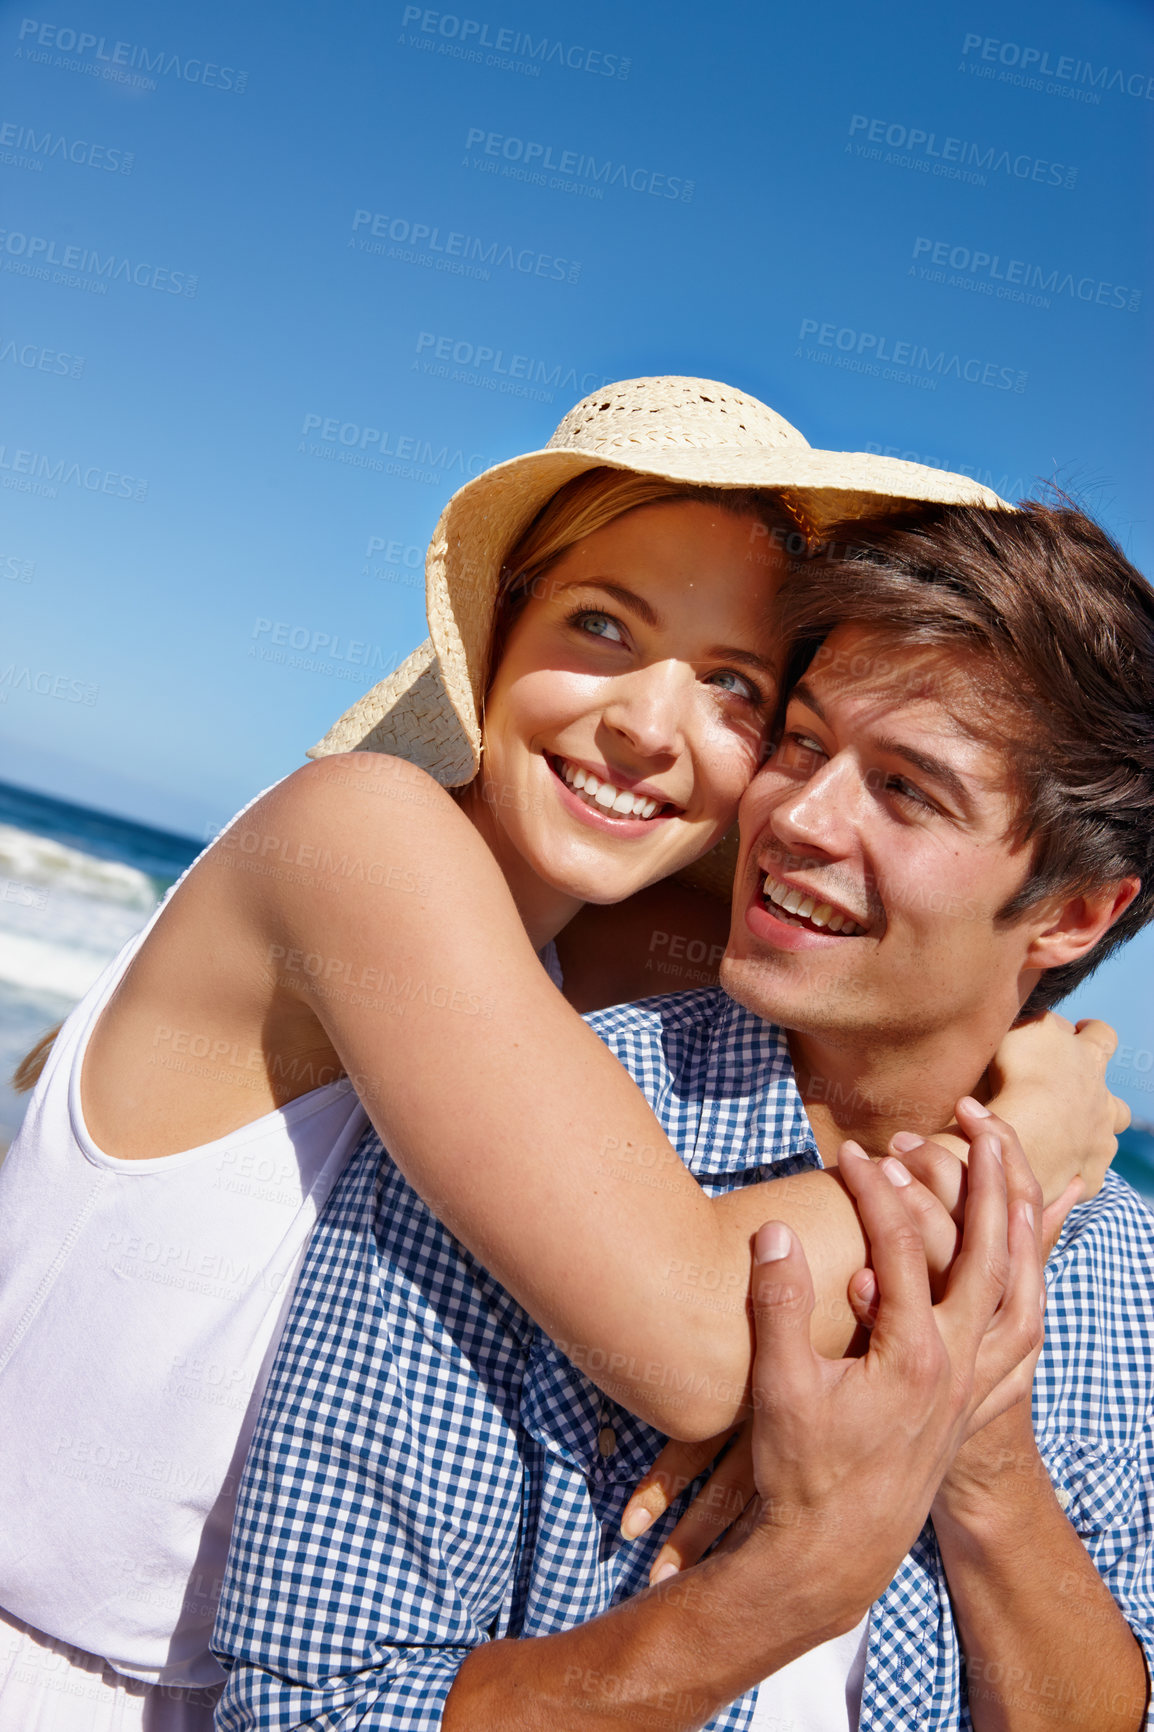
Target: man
969	791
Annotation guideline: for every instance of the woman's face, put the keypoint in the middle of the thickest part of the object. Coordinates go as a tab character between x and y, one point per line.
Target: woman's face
643	667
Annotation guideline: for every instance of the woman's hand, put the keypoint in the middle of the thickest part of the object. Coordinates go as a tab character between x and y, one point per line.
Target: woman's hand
942	1175
1048	1077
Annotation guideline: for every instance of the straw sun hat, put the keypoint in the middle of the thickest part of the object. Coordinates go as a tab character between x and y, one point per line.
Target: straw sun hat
689	430
683	430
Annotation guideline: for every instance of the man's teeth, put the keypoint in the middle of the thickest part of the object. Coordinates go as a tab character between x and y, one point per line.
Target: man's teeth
820	914
604	794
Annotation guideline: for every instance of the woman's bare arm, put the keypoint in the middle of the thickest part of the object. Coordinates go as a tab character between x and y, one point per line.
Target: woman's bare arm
509	1116
373	932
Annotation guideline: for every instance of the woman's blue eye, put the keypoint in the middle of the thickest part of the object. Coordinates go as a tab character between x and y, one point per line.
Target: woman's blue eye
599	625
730	681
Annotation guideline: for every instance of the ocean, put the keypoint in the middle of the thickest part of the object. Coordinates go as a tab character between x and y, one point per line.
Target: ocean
76	883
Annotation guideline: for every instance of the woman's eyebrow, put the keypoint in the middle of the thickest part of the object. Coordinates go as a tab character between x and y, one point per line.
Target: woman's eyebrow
637	603
618	591
731	653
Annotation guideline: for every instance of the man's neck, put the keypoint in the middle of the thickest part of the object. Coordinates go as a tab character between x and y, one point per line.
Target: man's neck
868	1090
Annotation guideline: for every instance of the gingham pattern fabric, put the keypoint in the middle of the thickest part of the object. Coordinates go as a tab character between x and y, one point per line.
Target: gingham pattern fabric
426	1473
1094	1421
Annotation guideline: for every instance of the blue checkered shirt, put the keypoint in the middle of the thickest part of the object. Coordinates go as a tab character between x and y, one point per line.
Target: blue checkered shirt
427	1473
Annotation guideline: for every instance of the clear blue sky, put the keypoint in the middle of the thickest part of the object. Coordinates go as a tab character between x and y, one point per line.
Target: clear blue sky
772	171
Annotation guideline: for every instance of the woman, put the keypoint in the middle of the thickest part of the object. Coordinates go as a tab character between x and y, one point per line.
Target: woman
359	946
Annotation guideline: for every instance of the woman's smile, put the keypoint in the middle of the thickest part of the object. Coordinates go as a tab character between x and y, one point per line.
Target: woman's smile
609	793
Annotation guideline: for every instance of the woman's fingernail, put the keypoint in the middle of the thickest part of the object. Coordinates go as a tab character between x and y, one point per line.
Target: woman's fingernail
772	1243
663	1572
1028	1209
852	1148
975	1107
904	1141
995	1144
895	1173
634	1522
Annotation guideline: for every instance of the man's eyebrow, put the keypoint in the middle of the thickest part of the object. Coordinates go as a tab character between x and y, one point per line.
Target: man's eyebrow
935	768
627	597
805	695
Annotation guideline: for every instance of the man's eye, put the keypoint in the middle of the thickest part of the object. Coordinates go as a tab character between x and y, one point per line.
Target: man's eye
598	625
906	791
730	681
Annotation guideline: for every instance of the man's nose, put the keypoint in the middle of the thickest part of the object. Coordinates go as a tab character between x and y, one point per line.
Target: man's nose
817	815
650	708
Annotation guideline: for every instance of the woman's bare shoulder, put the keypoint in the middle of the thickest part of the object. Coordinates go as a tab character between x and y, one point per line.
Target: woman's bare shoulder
351	800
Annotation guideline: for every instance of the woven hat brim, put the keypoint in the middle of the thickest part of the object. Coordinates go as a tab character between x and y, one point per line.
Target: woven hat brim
428	711
485	518
409	716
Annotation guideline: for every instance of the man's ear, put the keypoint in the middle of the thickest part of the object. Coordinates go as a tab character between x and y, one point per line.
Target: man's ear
1073	927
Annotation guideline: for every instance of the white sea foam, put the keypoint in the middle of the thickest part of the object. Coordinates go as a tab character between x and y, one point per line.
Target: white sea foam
46	967
64	915
37	860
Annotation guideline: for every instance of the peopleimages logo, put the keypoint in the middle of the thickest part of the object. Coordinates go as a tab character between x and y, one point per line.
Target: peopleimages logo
537	161
460	254
32	255
950	158
33	472
467	36
909	361
1017	279
493	369
52	146
1034	64
38	359
413	457
93	55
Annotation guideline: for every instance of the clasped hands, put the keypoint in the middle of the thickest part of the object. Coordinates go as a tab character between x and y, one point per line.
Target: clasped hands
853	1454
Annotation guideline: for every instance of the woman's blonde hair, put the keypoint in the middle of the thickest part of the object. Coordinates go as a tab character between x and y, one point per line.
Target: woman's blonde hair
591	502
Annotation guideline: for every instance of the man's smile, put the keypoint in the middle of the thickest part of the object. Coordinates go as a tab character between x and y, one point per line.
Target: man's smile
802	908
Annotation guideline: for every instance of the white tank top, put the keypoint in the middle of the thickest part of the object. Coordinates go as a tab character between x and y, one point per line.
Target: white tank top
140	1306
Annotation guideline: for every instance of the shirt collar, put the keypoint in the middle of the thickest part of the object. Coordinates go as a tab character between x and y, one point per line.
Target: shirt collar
751	1112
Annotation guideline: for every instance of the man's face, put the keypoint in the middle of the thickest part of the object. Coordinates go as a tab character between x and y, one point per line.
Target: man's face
882	823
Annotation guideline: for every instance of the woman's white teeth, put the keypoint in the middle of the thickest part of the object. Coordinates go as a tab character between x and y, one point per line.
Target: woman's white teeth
605	795
819	914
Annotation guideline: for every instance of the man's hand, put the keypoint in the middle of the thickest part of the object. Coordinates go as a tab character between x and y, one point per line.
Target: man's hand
847	1456
942	1176
1049	1078
987	1327
933	1207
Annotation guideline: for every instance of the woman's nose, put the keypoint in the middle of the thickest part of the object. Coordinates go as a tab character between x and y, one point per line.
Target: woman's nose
651	707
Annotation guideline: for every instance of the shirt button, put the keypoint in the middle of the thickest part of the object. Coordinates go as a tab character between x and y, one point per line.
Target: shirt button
1063	1497
607	1440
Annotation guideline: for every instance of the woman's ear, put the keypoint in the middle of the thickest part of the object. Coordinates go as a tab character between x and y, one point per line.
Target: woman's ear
1074	926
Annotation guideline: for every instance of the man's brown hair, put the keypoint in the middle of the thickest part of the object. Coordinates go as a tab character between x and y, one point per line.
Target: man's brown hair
1060	626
